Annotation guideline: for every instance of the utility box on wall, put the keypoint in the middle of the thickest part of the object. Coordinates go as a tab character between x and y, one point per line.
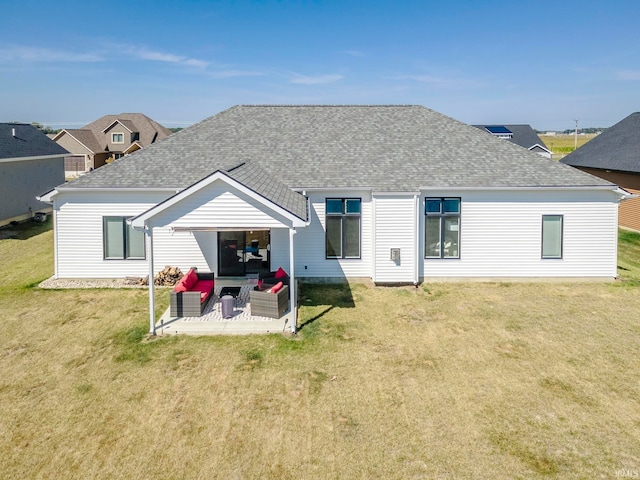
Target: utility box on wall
395	255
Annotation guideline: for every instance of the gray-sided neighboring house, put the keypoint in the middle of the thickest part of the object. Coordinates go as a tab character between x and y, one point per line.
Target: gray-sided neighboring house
109	137
522	135
30	162
392	194
614	155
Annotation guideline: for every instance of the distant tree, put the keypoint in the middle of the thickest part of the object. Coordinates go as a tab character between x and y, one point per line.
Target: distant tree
175	129
45	128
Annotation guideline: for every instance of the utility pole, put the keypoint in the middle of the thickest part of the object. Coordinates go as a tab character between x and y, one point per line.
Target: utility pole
575	136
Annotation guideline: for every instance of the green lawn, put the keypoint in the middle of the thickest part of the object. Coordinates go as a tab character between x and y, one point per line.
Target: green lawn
452	380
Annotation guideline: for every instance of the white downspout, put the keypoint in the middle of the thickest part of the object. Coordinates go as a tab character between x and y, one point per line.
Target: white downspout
152	301
416	265
292	283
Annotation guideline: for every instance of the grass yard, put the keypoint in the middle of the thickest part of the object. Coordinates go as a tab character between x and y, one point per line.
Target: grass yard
452	380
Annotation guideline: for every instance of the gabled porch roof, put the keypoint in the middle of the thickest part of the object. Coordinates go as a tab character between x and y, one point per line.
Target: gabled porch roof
247	179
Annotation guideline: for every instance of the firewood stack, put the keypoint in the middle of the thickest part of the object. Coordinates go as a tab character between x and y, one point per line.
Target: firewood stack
167	277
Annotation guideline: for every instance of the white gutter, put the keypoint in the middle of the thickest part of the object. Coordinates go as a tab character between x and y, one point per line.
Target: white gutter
546	187
38	157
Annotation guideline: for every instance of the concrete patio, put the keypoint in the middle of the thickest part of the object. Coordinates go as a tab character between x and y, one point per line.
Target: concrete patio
212	323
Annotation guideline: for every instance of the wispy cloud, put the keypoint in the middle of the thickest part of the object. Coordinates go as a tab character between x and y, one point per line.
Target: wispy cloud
144	53
40	55
628	75
315	80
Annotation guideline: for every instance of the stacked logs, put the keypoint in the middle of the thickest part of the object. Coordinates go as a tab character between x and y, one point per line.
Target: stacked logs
168	276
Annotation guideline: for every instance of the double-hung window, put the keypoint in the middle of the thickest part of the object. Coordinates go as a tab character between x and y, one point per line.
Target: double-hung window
442	227
120	241
552	236
343	219
117	138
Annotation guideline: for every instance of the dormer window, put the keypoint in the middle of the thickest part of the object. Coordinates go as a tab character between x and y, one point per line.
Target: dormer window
117	138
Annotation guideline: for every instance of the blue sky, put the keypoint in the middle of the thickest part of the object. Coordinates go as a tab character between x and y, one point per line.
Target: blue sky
66	63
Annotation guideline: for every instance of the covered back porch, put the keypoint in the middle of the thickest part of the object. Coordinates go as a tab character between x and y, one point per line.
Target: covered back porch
227	206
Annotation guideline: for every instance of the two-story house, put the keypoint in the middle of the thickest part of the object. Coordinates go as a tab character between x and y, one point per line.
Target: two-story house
108	138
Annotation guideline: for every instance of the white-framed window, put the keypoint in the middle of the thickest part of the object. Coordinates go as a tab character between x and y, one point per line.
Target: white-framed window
120	241
442	227
343	232
117	138
552	235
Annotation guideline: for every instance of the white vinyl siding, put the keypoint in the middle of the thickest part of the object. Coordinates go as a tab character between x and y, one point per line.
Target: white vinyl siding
395	227
310	241
79	232
216	206
501	235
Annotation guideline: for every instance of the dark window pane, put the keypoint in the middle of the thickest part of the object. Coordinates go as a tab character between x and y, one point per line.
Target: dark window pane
334	205
352	237
113	237
135	243
353	205
552	236
334	237
451	205
451	237
433	205
432	237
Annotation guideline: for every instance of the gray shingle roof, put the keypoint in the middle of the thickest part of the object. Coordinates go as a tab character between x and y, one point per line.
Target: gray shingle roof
150	130
252	176
87	138
28	142
523	135
617	148
386	148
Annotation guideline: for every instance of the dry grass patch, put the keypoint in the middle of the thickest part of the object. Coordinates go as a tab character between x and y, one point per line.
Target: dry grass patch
464	380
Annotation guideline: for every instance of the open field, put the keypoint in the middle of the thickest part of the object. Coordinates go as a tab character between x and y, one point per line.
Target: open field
563	145
452	380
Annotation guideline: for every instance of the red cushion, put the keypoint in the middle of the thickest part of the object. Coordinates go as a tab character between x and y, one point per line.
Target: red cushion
204	296
276	288
280	273
180	287
203	286
190	279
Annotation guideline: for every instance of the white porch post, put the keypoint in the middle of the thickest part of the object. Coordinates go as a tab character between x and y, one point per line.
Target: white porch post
152	300
292	286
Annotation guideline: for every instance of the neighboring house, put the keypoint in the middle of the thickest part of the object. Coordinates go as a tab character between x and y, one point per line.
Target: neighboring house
30	163
522	135
615	156
394	194
111	136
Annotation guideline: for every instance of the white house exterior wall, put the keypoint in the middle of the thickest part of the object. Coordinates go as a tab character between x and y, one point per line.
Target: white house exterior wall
501	234
280	249
310	241
78	230
395	227
216	206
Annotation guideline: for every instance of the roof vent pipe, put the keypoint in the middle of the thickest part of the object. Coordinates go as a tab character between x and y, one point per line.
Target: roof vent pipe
13	132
